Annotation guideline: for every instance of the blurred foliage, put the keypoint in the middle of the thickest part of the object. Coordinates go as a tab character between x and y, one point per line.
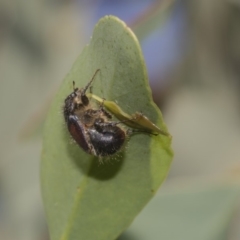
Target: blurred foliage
201	213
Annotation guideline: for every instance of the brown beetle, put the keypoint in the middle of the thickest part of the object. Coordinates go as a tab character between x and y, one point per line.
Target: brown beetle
91	128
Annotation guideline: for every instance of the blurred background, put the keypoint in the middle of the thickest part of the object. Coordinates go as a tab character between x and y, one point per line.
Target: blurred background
192	53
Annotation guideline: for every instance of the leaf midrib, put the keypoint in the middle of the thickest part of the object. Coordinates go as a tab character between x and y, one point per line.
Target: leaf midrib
73	213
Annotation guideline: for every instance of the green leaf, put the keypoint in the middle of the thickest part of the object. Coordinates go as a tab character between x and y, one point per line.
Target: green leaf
86	200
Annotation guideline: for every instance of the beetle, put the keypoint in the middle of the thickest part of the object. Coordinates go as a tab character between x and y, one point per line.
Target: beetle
91	128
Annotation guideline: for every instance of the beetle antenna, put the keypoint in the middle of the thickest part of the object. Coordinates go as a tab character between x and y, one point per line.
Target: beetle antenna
90	82
74	89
